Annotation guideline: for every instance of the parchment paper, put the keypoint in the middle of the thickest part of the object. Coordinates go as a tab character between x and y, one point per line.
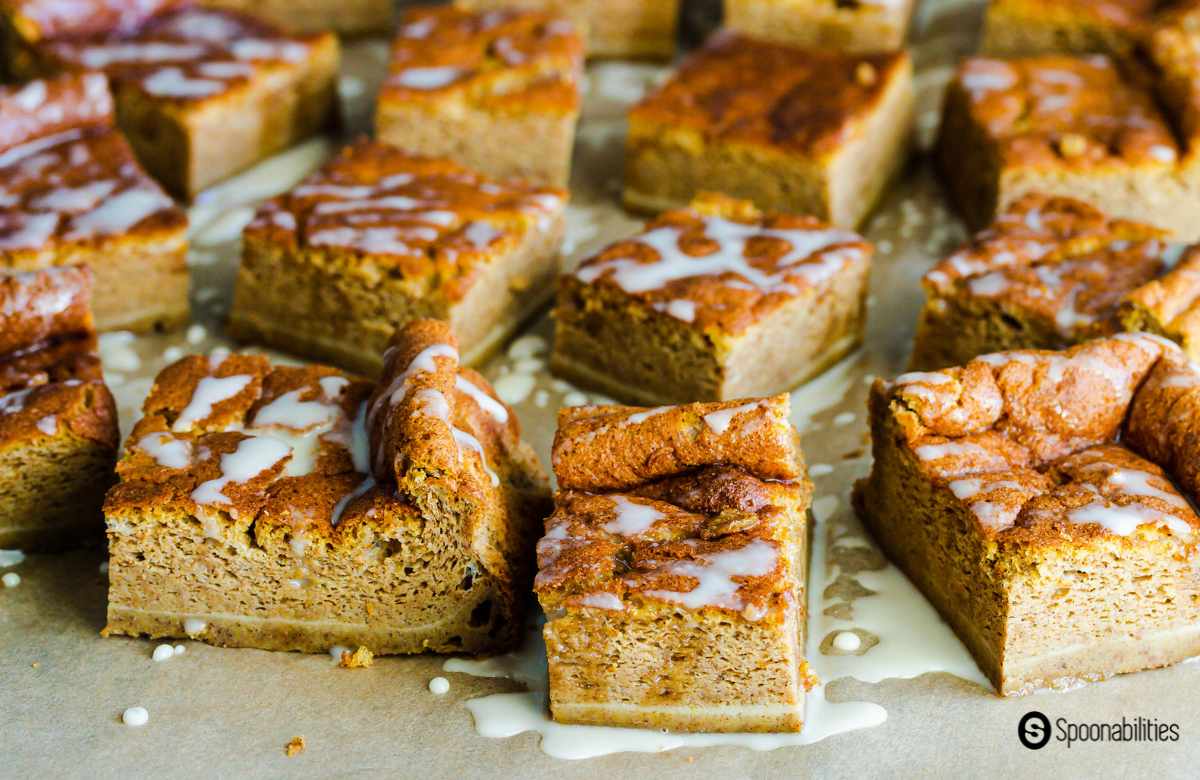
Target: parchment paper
219	712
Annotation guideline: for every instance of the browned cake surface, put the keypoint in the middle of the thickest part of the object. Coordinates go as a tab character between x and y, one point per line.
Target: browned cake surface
502	60
58	422
382	211
348	17
1050	272
242	477
40	19
677	545
1041	452
1065	112
187	55
71	182
615	28
807	103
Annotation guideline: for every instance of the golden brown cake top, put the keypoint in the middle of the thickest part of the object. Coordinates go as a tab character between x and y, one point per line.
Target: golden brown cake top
722	265
77	184
311	451
41	19
378	210
1027	440
45	108
1058	260
505	58
50	379
739	90
187	55
1064	112
698	506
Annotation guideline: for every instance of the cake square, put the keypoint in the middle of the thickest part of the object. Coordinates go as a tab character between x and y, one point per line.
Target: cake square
1078	127
1052	272
621	29
1041	502
710	303
347	17
71	192
298	508
823	24
379	237
1018	28
58	421
497	91
672	570
200	93
794	131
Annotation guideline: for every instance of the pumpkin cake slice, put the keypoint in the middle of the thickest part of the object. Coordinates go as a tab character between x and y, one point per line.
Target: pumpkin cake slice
672	571
300	508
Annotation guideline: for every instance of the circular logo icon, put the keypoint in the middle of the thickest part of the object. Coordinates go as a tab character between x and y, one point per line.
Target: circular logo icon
1034	730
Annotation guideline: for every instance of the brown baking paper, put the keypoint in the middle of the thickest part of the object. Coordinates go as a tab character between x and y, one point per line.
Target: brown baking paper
223	712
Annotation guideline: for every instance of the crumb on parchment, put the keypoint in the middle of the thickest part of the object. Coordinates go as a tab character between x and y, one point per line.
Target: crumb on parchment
359	659
294	747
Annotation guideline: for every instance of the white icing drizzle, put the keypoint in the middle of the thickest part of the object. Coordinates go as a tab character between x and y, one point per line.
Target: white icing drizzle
631	517
48	425
210	391
253	456
173	82
714	573
485	401
950	448
980	76
603	600
732	239
167	450
427	78
719	421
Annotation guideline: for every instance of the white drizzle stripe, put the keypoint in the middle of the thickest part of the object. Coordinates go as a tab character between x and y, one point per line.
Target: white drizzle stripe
732	238
209	392
714	573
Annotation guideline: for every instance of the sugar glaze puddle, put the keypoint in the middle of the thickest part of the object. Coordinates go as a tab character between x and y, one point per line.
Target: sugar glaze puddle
912	640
